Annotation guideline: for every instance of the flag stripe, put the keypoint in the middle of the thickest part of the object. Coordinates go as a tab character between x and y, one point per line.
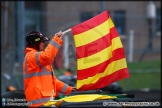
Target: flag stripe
93	34
107	80
111	68
99	57
100	53
96	46
90	72
91	23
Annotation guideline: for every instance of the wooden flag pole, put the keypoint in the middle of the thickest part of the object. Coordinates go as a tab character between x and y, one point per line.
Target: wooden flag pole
52	93
67	31
52	97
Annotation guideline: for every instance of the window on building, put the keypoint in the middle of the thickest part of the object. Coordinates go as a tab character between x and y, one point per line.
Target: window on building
32	16
85	16
119	21
158	19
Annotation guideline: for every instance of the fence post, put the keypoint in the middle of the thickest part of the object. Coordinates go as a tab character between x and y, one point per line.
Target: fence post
21	39
66	49
130	45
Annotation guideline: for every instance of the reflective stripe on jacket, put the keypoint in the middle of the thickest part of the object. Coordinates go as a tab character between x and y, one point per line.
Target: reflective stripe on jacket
39	80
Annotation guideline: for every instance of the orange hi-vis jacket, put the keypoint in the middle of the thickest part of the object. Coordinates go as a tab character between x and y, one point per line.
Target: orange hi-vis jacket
39	80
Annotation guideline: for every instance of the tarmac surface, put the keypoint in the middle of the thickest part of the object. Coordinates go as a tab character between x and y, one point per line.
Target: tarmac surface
149	95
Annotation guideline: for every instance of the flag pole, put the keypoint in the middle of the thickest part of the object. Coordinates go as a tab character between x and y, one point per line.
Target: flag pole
67	31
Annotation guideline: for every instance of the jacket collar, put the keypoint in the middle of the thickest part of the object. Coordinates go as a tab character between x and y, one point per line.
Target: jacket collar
29	49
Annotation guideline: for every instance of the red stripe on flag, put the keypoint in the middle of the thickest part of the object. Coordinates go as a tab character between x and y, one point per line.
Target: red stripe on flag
96	46
107	80
89	72
91	23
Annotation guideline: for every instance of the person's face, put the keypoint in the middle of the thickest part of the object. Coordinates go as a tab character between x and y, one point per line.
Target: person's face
41	46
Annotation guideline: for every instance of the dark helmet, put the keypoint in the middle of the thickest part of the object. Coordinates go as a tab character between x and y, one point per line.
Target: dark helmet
35	36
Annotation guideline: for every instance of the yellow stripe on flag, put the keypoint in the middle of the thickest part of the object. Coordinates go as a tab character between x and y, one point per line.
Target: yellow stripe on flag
93	34
112	67
99	57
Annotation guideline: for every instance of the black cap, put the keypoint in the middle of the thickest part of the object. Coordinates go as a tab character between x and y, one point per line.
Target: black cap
35	36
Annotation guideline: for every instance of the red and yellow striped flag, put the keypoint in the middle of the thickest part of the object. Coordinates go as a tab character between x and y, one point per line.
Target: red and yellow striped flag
100	54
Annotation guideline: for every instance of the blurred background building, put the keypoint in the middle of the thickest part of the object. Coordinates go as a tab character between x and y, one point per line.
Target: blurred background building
137	22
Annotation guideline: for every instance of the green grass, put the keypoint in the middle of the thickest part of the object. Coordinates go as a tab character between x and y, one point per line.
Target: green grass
141	80
147	76
59	72
145	65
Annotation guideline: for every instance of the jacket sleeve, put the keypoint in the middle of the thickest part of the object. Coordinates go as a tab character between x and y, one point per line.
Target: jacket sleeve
46	57
62	87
